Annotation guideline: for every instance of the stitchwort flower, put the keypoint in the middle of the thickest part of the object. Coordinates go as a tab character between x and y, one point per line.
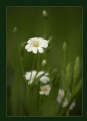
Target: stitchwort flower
36	44
45	90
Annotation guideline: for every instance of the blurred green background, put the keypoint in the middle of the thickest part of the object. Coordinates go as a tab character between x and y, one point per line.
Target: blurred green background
63	23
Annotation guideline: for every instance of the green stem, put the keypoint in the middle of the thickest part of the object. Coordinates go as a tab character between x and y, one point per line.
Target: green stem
65	58
38	95
65	69
38	98
45	28
33	66
21	61
27	100
67	113
73	85
28	88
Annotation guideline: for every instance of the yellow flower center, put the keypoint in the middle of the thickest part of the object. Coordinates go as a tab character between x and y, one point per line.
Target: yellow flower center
36	43
45	89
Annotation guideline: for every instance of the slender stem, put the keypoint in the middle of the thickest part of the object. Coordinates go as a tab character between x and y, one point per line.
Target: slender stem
21	61
73	85
27	99
65	58
22	69
28	87
65	69
67	113
33	66
38	96
45	28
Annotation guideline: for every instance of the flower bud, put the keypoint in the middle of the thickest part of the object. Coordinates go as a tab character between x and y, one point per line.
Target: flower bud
22	48
76	67
64	45
44	62
50	39
68	71
15	29
44	13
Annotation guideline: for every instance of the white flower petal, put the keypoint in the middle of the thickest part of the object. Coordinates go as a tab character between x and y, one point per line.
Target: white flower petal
27	75
27	46
44	79
61	93
40	38
44	45
47	92
45	89
40	73
40	50
34	38
59	100
33	74
41	92
34	50
72	106
30	82
29	41
46	74
29	49
65	103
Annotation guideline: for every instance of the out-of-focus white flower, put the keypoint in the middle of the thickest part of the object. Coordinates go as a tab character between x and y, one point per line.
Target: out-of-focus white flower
36	44
45	90
43	77
60	95
72	105
65	103
44	62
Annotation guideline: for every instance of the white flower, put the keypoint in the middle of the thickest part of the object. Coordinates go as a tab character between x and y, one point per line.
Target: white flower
65	103
45	90
72	105
43	77
36	44
60	95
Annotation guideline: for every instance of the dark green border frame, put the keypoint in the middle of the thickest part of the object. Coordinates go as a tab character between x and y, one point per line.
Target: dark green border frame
3	5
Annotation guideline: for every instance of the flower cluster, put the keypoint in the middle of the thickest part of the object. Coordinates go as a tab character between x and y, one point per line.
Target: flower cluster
43	77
